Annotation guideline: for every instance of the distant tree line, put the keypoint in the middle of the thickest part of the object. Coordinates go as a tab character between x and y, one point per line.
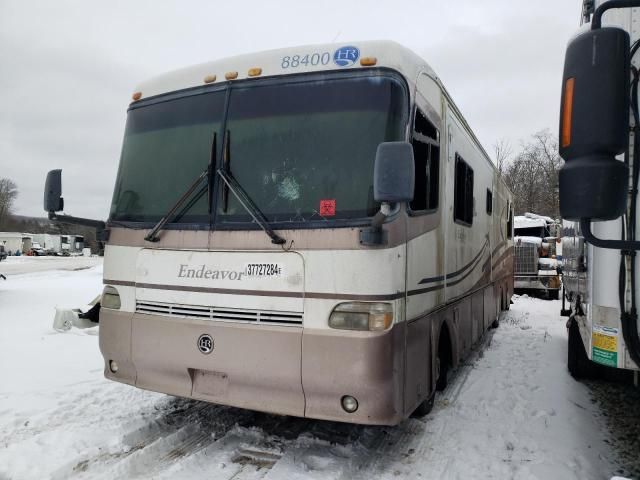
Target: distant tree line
8	195
532	173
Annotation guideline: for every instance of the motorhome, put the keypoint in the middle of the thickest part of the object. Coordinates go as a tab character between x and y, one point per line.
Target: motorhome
313	231
599	189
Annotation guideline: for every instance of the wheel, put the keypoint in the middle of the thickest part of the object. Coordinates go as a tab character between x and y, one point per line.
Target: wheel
578	363
425	407
554	294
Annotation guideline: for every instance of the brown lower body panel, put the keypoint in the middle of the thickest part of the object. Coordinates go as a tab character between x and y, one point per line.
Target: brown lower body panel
259	367
296	371
249	367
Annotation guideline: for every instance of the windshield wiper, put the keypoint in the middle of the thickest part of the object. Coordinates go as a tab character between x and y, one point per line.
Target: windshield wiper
230	183
248	204
206	174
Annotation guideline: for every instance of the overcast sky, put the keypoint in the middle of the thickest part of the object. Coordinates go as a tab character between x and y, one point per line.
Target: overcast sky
68	68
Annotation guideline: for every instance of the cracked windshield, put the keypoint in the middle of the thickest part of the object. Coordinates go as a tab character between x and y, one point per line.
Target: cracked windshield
301	150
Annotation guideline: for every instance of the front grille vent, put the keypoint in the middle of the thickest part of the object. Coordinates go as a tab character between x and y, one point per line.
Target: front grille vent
219	313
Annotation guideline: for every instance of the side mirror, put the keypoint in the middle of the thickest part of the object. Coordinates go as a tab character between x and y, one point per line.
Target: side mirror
594	125
53	201
393	174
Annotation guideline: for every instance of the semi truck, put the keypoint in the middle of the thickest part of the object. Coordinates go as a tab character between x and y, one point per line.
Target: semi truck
537	255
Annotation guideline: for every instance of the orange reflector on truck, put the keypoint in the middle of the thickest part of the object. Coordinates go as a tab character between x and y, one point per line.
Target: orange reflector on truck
567	111
254	72
231	75
136	96
209	79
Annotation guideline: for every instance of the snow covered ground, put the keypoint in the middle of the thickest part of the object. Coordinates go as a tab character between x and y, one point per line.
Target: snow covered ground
512	410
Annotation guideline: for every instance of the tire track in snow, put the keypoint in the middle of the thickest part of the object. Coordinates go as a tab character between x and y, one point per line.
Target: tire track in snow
170	435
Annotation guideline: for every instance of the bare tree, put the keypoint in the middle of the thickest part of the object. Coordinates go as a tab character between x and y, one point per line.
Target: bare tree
532	176
502	152
8	194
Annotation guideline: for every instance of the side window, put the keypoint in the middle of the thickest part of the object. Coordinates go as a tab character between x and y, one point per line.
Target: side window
426	153
463	193
510	222
489	202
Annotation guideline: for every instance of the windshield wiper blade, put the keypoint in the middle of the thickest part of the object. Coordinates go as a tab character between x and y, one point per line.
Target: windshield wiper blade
207	174
249	205
152	236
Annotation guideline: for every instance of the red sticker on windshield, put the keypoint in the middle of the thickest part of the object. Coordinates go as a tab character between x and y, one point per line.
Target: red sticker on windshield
328	207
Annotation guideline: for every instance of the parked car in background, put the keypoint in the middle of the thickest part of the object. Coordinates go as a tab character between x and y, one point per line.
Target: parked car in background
37	250
3	253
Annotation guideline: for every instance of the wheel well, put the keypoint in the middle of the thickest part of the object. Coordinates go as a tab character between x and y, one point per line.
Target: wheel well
444	345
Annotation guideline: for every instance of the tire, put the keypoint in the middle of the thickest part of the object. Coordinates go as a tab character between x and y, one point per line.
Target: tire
425	407
554	294
578	363
443	375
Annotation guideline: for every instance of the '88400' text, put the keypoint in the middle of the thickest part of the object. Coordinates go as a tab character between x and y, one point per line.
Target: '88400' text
308	59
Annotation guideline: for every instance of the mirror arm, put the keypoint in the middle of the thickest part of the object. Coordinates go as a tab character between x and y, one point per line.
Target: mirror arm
87	222
375	234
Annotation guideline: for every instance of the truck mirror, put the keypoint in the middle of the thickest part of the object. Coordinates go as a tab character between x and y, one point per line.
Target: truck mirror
53	201
594	125
393	175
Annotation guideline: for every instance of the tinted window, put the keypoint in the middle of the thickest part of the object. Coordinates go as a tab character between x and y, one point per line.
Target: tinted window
426	155
463	192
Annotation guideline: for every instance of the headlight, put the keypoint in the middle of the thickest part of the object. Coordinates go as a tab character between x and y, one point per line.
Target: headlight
362	316
110	298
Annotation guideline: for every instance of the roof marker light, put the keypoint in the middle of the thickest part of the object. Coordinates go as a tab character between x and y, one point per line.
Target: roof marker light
136	96
231	75
209	79
368	61
255	71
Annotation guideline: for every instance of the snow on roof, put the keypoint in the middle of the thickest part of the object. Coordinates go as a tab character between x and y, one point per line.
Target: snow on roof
309	58
521	221
14	235
519	240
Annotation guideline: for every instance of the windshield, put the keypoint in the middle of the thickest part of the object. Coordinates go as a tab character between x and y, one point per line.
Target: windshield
302	149
166	146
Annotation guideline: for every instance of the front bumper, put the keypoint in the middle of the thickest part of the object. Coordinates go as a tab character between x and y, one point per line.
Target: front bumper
282	370
534	282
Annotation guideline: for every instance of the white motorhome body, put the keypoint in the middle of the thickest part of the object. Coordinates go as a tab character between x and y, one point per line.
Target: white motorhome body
330	324
591	275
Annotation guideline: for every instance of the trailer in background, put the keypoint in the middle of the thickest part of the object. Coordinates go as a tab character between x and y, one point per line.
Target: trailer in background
72	244
50	243
14	242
